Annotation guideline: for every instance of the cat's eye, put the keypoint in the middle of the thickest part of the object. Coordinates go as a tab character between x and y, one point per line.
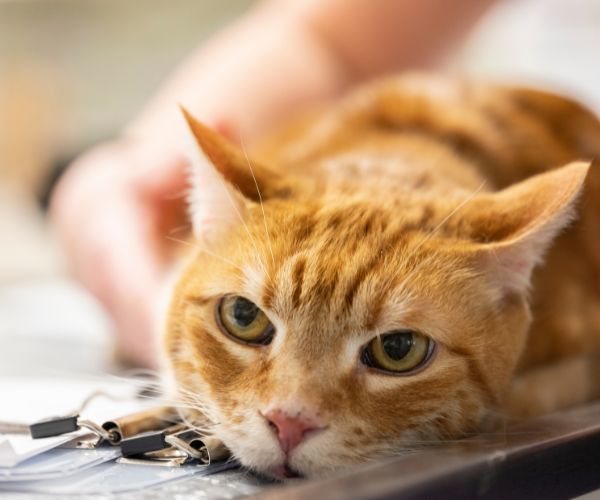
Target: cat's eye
398	351
244	320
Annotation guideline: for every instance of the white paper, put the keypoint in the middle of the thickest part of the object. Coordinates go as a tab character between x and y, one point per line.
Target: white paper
28	400
15	448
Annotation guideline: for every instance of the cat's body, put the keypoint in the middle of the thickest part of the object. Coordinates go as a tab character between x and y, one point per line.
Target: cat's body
382	216
448	137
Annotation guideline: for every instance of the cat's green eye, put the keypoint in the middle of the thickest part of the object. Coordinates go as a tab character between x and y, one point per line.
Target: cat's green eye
399	351
244	320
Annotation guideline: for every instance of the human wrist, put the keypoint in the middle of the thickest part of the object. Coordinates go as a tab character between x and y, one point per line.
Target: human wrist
251	76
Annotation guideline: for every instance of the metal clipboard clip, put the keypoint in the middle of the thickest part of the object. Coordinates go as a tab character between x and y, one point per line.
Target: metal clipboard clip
171	447
153	419
155	436
57	426
112	431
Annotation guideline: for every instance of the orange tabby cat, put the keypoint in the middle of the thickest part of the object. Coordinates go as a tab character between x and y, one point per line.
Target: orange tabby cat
376	281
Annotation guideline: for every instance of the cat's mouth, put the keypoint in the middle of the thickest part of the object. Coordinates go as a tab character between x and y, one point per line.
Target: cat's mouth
284	471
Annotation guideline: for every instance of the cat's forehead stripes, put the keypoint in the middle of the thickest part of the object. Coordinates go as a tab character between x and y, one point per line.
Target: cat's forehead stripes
298	280
348	254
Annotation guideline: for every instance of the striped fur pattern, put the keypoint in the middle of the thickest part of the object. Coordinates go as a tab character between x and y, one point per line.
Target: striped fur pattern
417	202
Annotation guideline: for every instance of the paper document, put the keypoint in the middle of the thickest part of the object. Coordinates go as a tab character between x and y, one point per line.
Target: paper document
28	400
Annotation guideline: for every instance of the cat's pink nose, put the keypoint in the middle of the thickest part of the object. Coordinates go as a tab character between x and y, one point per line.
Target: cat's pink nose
291	429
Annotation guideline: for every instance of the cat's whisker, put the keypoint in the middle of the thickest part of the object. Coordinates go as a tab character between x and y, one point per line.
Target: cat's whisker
185	399
180	229
252	238
204	413
206	251
240	217
139	372
188	397
169	402
434	231
202	429
262	206
452	213
183	403
198	404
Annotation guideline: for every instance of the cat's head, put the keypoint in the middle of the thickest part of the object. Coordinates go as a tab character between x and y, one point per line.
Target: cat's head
319	330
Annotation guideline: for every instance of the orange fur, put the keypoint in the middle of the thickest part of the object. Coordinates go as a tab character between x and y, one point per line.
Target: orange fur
415	203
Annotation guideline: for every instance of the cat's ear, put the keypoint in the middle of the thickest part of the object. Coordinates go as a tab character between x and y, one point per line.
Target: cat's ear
516	226
224	181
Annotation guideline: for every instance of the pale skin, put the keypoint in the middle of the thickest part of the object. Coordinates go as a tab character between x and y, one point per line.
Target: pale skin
121	204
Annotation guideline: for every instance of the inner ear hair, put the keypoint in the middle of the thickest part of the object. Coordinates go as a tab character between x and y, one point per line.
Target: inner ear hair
250	178
514	227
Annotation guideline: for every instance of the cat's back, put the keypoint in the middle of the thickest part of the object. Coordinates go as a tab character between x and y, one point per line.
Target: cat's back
507	133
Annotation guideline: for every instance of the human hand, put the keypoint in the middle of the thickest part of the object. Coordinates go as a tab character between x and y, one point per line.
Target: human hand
114	210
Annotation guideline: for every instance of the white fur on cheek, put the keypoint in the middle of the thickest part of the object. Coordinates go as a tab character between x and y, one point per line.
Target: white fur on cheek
255	445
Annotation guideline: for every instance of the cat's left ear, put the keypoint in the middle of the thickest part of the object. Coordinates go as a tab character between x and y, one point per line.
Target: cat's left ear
224	181
513	228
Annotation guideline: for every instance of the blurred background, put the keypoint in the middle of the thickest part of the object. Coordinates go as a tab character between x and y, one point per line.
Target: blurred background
73	72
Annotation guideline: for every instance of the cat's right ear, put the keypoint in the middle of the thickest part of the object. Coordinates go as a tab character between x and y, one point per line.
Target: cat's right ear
224	182
515	227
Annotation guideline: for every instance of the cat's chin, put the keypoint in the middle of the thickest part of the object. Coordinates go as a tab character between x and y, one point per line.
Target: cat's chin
292	468
279	473
284	472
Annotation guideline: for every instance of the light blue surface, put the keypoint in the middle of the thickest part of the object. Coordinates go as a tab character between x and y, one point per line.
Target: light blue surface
111	478
59	462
